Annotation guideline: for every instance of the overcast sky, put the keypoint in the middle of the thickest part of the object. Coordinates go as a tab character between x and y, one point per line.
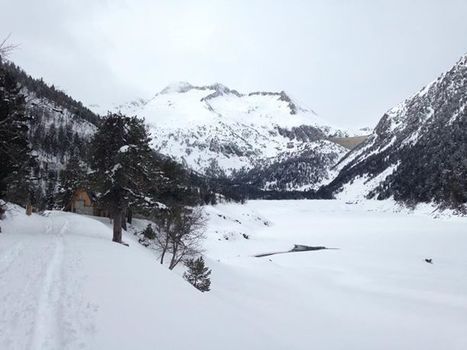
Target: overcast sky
349	61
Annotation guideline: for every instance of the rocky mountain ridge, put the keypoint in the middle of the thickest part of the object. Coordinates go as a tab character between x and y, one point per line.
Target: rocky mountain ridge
418	150
221	132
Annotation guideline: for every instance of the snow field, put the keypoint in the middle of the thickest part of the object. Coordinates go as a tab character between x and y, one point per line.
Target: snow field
374	292
65	285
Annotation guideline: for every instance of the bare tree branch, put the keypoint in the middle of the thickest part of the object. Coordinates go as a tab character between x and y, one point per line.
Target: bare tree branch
181	231
5	47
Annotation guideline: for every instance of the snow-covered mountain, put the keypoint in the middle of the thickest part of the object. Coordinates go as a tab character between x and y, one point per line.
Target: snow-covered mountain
59	126
219	132
418	151
52	120
52	112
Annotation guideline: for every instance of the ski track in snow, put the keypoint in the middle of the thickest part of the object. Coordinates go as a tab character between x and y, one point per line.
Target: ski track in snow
42	302
46	333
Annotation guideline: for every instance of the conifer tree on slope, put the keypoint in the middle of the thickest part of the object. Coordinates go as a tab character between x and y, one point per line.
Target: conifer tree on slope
15	153
198	274
121	163
72	178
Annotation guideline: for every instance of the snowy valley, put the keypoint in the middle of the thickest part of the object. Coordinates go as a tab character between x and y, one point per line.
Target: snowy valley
64	285
209	218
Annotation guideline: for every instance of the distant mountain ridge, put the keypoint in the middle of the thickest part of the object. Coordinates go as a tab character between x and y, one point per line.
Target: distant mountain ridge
266	145
220	132
418	150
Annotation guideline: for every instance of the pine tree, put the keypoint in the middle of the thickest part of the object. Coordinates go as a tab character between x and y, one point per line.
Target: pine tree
198	274
72	178
52	140
16	183
121	162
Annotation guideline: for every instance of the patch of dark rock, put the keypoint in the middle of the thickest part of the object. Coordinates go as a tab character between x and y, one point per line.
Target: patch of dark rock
297	248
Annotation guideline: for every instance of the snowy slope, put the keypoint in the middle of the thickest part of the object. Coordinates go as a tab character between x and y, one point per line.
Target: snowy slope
374	292
65	285
418	150
218	131
306	167
47	112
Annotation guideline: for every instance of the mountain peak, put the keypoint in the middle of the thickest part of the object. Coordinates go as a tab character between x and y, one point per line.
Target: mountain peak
183	87
463	59
178	86
221	89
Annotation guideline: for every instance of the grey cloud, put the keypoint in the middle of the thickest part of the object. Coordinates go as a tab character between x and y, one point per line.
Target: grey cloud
348	60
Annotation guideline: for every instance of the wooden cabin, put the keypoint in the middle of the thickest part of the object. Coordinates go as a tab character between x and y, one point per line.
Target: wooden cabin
84	202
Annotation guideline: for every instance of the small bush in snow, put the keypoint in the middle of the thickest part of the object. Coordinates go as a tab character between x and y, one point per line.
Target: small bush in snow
198	274
149	232
2	210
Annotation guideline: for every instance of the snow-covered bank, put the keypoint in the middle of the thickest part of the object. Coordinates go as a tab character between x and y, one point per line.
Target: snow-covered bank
374	292
65	285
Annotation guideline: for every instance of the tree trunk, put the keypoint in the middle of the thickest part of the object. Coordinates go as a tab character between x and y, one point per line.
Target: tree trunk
28	209
173	260
176	262
162	256
164	249
117	231
129	216
124	220
172	263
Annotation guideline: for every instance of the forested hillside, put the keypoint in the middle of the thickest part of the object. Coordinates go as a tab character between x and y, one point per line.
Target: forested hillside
57	132
418	151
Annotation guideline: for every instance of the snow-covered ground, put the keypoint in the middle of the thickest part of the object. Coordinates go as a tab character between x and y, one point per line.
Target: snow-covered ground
64	285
